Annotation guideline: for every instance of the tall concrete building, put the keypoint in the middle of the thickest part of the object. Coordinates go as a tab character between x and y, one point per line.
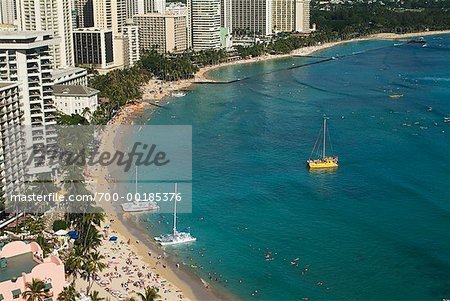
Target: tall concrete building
205	24
93	47
226	14
252	17
139	7
25	58
85	13
178	8
12	148
302	16
283	15
8	12
163	32
132	48
110	14
54	16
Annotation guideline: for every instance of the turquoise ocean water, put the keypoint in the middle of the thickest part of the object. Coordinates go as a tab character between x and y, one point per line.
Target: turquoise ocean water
376	229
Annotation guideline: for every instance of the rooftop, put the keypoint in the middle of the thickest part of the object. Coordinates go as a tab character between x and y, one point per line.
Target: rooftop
92	29
16	265
73	90
56	73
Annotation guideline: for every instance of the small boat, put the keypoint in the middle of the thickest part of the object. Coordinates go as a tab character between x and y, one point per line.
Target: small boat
417	41
139	205
430	109
176	237
395	95
178	94
324	162
447	119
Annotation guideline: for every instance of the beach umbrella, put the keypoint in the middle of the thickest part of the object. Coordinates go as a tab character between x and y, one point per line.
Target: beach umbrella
61	232
73	234
113	238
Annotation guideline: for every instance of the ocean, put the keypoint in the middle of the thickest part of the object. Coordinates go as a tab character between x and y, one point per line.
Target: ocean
378	228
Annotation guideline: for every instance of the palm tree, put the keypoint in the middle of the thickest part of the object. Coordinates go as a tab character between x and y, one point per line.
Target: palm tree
75	261
68	294
95	297
150	294
34	290
45	246
91	267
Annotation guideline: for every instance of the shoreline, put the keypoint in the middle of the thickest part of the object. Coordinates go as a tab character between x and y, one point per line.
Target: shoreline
156	92
184	282
202	75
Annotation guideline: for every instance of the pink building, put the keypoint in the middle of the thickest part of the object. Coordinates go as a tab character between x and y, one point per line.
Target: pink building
20	263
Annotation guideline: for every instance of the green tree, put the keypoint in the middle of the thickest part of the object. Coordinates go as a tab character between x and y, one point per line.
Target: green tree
150	294
68	294
34	290
59	224
95	296
43	243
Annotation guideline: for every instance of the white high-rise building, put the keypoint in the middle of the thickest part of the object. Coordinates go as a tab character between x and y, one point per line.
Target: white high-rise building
225	14
162	32
12	148
140	7
54	16
25	57
252	17
8	13
283	15
110	14
302	16
205	24
85	13
131	34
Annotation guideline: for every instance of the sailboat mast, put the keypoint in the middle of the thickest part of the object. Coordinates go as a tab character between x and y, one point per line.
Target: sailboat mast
136	181
175	210
324	136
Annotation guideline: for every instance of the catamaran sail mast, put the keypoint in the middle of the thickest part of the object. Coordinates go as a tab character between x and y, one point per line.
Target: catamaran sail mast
324	136
175	210
136	182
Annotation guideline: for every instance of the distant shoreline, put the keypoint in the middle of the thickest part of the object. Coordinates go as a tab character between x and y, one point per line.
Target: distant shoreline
157	92
202	75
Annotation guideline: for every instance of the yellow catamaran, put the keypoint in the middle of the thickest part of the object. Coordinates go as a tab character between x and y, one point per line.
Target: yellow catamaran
324	162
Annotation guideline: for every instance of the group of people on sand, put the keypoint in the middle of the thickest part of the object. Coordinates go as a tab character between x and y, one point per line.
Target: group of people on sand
127	274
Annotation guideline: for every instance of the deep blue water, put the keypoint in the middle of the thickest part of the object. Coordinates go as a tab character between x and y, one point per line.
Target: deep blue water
376	229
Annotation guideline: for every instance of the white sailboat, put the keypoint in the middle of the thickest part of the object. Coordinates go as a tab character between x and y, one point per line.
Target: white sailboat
139	205
175	237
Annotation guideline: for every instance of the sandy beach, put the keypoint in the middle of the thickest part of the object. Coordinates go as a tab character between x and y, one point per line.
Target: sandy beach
134	261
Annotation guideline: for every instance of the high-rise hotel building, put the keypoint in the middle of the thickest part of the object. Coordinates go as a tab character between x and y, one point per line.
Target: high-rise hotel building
94	48
84	13
54	16
131	47
283	15
12	148
226	14
205	24
162	32
25	58
252	17
139	7
110	14
8	12
302	16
